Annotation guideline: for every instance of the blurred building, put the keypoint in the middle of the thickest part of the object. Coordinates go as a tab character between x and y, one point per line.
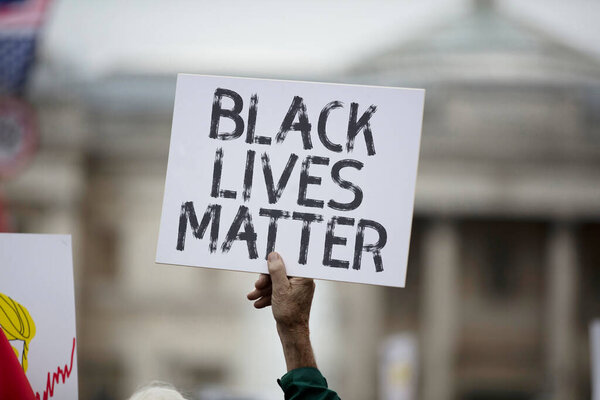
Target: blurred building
504	262
504	267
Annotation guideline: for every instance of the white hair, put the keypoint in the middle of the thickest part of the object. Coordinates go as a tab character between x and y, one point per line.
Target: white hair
157	391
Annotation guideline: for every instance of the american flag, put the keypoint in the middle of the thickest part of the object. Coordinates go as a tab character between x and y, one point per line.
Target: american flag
20	21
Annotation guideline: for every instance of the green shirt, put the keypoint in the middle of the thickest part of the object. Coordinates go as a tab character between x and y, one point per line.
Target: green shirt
306	384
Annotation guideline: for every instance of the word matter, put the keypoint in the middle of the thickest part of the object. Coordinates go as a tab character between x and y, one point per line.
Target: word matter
212	217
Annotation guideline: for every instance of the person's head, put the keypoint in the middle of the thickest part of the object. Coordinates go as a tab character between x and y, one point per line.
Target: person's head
157	391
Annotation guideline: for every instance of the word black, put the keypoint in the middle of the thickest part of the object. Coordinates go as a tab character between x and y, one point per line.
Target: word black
297	109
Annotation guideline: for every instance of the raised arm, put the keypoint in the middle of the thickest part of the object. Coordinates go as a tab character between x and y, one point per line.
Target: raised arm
291	300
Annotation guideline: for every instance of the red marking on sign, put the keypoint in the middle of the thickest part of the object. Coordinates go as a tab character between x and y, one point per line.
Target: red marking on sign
60	373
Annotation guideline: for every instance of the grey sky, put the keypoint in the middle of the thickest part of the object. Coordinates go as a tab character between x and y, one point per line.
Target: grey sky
266	37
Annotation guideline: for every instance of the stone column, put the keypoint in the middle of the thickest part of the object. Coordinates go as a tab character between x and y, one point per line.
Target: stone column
439	312
364	309
562	273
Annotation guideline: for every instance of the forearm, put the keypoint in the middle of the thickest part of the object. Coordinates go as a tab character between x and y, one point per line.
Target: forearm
297	349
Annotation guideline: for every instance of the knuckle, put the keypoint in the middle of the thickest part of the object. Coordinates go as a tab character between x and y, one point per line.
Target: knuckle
279	292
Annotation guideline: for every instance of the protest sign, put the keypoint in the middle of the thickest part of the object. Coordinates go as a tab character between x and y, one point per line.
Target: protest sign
595	357
322	173
37	310
399	363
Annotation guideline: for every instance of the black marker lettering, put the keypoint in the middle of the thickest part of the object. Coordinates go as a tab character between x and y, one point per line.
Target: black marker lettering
358	194
248	174
249	235
307	219
322	126
297	107
233	114
213	212
363	124
306	179
331	240
275	193
250	138
216	181
373	248
274	216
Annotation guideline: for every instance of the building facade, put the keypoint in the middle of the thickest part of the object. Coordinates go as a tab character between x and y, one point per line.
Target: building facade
504	266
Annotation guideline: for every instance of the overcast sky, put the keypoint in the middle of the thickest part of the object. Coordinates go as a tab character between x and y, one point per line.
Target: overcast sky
310	37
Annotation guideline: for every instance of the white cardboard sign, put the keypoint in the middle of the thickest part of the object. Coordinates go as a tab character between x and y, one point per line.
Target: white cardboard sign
322	173
37	310
595	357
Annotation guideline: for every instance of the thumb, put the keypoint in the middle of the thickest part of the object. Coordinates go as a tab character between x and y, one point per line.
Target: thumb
277	270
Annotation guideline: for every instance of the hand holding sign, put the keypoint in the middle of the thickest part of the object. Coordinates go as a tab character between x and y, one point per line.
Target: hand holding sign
332	195
291	300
